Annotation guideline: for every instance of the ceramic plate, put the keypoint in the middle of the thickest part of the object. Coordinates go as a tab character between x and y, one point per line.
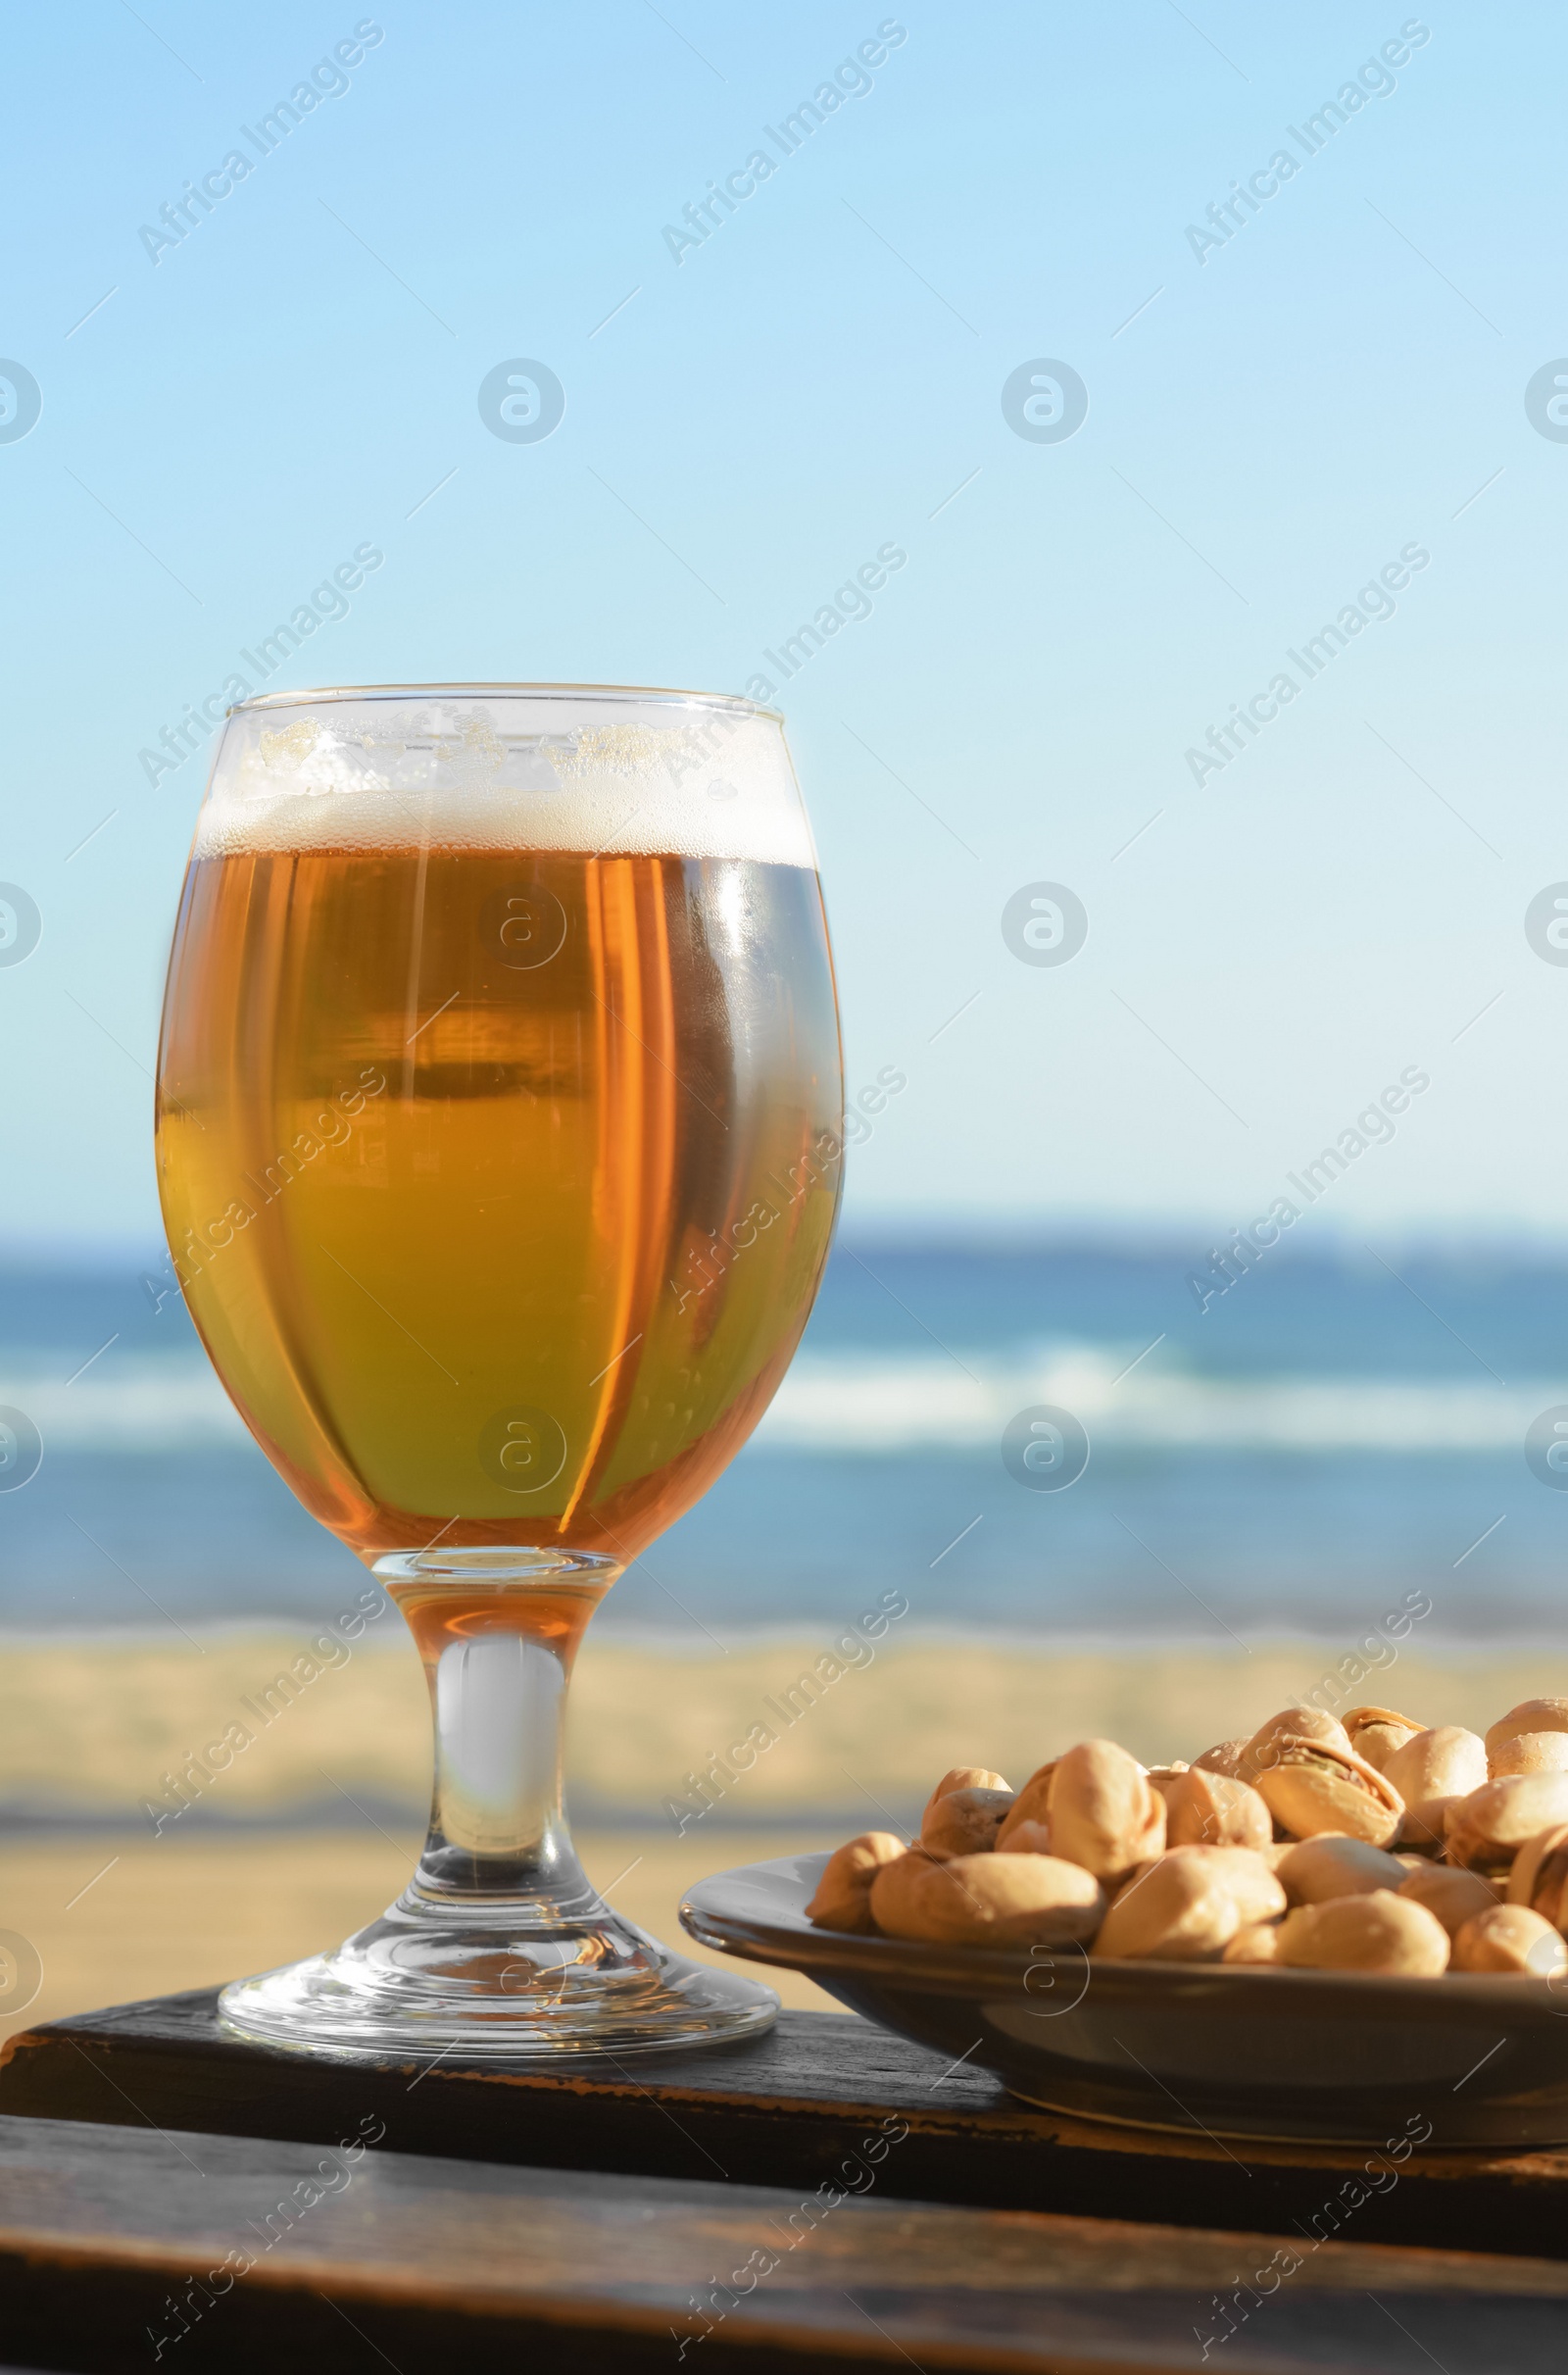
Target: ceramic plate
1326	2056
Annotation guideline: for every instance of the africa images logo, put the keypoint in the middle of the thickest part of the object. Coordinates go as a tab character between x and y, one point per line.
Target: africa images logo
1045	923
1045	1448
1546	400
521	401
21	401
1045	401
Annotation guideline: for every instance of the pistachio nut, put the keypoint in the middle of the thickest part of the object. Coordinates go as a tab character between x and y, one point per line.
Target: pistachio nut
966	1778
1332	1864
1530	1715
1313	1786
1426	1844
1259	1942
1539	1874
1172	1908
1487	1829
1529	1752
1510	1938
1102	1813
1188	1904
1376	1732
1212	1810
965	1823
1258	1891
1374	1932
1031	1802
1029	1839
1160	1776
988	1901
1444	1763
1291	1723
843	1898
1225	1757
1454	1897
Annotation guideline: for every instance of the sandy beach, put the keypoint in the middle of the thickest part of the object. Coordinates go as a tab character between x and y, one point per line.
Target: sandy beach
121	1885
102	1730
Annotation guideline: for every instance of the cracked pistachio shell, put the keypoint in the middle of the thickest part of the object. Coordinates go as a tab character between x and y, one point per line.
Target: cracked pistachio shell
1103	1812
988	1901
1539	1874
1510	1938
1432	1766
966	1778
842	1899
1530	1715
1487	1829
1376	1732
1225	1757
1529	1752
1214	1809
965	1823
1187	1905
1291	1723
1454	1897
1031	1802
1160	1776
1376	1932
1313	1786
1259	1942
1312	1870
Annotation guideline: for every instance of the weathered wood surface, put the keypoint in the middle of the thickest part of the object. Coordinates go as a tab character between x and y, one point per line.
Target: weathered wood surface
121	2248
783	2111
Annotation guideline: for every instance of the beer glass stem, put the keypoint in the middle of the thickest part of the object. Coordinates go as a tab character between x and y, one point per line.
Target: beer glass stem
498	1631
498	1944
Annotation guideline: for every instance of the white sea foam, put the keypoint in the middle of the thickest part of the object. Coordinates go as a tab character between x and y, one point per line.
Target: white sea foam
862	1405
960	1402
665	774
163	1402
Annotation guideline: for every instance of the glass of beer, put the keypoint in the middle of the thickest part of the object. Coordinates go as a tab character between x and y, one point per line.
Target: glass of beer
499	1140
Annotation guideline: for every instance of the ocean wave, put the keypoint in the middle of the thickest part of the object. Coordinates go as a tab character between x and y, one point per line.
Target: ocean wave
870	1405
168	1403
864	1404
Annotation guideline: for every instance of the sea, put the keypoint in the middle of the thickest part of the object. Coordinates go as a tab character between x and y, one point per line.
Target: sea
1046	1439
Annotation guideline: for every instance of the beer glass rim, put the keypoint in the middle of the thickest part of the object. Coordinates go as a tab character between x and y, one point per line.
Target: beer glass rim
312	695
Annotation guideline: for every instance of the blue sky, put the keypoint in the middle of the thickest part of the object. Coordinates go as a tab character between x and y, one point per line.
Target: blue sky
1270	426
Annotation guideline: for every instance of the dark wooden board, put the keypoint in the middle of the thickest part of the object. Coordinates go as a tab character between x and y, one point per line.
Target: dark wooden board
787	2108
123	2249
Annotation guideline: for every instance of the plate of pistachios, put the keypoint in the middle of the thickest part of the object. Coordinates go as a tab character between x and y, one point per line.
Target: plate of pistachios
1327	1930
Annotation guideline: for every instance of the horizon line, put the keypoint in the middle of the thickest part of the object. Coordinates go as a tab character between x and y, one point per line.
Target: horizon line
1149	1236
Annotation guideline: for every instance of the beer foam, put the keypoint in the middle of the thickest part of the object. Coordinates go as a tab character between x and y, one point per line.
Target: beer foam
657	775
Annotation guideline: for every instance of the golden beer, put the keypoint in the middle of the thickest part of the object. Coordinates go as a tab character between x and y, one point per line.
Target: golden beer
500	1181
499	1120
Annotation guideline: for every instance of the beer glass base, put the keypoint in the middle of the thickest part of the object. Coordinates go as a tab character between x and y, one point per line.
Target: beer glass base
500	1948
478	1984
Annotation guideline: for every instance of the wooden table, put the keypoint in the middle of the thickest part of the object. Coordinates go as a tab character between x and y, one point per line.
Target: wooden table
825	2196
